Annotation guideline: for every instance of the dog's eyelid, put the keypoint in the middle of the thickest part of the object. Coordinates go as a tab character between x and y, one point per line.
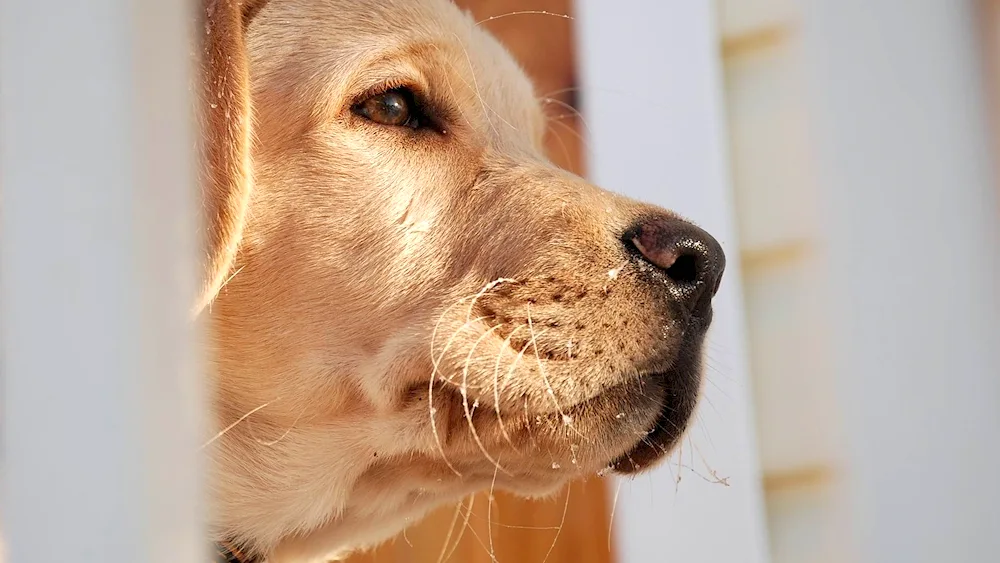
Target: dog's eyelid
386	86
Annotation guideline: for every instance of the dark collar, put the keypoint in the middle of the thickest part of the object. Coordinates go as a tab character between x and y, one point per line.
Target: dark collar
227	553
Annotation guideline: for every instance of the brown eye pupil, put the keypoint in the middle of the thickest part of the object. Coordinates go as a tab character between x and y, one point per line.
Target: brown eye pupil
389	108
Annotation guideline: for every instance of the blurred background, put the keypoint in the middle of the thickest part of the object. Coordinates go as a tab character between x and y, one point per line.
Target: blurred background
844	153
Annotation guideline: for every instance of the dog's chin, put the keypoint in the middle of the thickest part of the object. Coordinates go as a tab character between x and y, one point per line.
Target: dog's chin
680	387
666	430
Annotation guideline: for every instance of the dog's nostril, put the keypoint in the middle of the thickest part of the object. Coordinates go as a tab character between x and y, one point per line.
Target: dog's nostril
690	258
684	269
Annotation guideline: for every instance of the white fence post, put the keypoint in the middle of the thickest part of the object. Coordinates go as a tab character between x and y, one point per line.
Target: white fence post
652	98
101	397
912	231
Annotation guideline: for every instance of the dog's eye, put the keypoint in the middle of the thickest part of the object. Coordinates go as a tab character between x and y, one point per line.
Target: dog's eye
394	107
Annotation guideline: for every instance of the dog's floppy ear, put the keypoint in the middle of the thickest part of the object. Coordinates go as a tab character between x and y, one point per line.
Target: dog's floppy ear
226	172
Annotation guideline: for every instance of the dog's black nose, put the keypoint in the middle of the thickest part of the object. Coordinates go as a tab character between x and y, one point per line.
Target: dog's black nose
690	260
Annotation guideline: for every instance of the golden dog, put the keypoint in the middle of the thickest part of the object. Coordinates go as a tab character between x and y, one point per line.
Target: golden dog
406	301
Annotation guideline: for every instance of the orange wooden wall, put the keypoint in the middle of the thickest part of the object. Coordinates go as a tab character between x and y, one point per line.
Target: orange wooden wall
574	526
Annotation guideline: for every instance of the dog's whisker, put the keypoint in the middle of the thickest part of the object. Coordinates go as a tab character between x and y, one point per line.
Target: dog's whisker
486	289
513	366
406	528
714	474
712	477
718	388
516	527
233	425
562	523
464	526
451	88
584	141
716	370
566	419
441	318
479	540
562	145
704	430
451	532
534	440
556	92
231	276
628	456
475	87
489	516
573	111
436	371
487	109
708	401
680	465
475	83
674	427
270	443
432	410
611	519
436	362
464	390
503	526
525	13
496	384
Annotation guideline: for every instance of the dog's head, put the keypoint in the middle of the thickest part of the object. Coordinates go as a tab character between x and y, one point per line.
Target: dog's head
421	304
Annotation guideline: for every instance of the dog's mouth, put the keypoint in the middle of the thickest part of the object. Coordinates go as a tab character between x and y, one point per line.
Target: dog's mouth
641	407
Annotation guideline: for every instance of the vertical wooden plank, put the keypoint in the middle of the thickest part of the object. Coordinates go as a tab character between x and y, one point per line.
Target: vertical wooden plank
914	260
652	93
100	399
988	12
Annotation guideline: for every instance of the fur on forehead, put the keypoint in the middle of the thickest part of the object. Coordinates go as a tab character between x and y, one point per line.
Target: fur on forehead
340	49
